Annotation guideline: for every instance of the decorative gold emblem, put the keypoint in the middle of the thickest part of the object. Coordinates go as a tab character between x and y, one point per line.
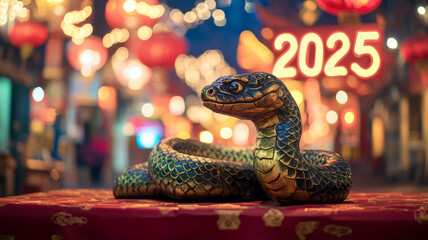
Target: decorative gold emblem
305	228
337	231
64	219
56	237
228	219
273	218
421	215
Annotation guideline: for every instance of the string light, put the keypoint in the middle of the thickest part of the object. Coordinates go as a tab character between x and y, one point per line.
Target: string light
200	71
12	9
71	19
115	36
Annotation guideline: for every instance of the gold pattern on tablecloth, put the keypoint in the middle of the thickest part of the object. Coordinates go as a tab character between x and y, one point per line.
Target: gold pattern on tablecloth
421	215
166	210
56	237
7	237
64	219
303	229
85	207
228	219
337	231
324	211
273	218
383	208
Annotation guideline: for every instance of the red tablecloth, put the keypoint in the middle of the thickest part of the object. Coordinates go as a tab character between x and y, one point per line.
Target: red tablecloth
95	214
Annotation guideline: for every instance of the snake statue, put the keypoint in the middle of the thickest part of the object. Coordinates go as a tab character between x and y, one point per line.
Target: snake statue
189	170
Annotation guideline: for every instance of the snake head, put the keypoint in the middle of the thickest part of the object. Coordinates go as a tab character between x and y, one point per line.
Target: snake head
246	96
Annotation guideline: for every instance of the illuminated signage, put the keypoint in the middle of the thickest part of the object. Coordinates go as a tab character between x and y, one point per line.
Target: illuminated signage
329	51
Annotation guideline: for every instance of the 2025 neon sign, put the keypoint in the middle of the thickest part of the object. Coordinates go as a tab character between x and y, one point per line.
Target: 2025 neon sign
332	51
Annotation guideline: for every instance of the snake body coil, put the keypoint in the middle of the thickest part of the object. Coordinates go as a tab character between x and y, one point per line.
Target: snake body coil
190	170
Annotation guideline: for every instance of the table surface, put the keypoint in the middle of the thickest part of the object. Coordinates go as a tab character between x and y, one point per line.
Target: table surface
96	214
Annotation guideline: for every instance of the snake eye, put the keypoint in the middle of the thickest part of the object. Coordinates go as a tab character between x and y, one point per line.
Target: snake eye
235	87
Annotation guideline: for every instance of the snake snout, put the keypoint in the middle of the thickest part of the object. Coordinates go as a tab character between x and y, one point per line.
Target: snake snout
208	93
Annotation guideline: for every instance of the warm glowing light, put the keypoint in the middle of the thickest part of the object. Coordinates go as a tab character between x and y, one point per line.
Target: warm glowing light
361	49
130	6
279	68
147	110
190	17
331	117
206	137
241	134
392	43
267	33
349	117
330	68
226	133
89	57
341	97
183	135
177	105
128	129
38	94
144	32
107	98
49	115
135	74
297	95
319	54
421	10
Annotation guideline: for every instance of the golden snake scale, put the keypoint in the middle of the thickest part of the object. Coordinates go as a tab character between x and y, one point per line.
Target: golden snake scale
276	168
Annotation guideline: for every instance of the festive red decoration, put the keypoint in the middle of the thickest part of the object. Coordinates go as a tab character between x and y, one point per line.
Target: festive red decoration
96	214
358	6
90	55
33	34
414	48
117	17
161	49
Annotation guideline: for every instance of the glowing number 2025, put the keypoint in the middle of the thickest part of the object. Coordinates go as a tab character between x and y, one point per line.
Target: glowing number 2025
331	67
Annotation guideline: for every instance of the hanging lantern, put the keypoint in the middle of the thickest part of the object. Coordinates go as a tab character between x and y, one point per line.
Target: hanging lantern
27	36
357	6
161	49
88	57
132	13
414	48
133	74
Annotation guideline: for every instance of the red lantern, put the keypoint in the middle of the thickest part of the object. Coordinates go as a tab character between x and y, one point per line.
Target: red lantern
28	35
358	6
133	16
161	49
88	57
414	48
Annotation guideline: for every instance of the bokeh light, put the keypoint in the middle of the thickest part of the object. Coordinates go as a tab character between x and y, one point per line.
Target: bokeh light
206	137
149	135
38	94
226	133
331	117
341	97
177	105
147	110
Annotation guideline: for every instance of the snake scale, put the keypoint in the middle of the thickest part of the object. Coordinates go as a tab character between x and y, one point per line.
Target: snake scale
276	167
